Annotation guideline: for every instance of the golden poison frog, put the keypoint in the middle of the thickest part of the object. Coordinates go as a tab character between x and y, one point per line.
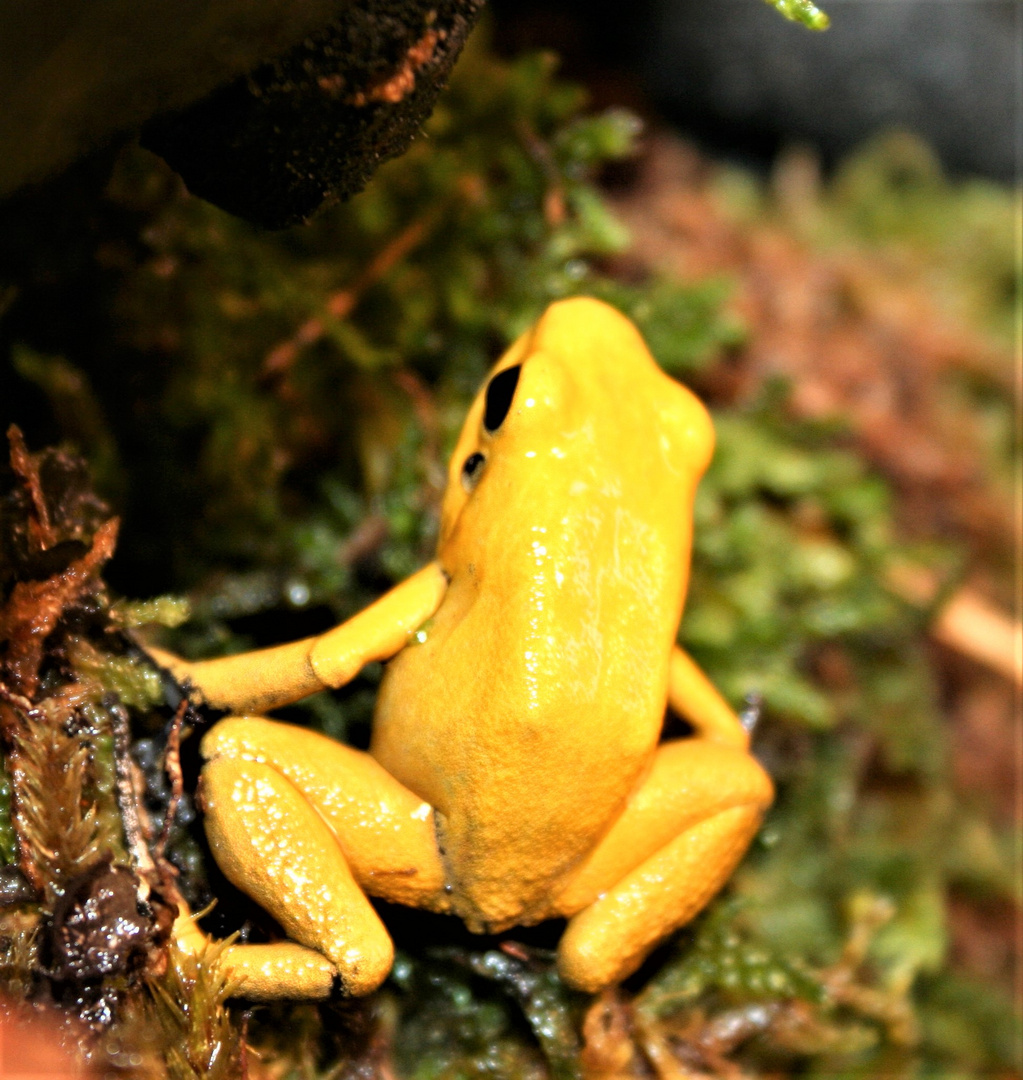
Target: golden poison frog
516	771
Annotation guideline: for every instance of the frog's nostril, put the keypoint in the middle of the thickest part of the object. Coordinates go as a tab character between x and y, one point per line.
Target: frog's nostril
471	470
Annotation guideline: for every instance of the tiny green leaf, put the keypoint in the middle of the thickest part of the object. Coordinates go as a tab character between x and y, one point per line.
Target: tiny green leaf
802	11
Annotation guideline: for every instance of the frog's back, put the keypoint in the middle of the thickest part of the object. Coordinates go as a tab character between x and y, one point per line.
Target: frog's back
532	708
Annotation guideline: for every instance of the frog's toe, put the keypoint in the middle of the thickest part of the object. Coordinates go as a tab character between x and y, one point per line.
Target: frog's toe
283	969
363	965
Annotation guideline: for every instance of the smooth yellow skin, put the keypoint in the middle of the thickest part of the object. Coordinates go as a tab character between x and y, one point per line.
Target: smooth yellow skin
514	773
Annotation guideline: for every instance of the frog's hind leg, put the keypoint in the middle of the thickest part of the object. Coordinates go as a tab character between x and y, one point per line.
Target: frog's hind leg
306	827
680	836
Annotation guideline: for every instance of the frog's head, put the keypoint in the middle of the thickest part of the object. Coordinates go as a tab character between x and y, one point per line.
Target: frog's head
577	408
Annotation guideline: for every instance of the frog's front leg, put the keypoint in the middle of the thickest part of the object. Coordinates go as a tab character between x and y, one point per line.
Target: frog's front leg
680	836
693	696
265	679
282	829
307	827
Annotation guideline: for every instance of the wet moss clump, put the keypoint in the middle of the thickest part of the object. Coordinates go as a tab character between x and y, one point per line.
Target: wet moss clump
88	898
271	415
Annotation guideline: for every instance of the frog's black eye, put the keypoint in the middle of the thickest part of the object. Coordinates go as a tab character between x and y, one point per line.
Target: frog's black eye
472	469
500	392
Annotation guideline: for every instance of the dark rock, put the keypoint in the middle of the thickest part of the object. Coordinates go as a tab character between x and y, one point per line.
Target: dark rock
73	76
312	127
98	928
14	888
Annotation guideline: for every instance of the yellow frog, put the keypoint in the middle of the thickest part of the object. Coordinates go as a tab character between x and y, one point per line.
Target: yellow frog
515	772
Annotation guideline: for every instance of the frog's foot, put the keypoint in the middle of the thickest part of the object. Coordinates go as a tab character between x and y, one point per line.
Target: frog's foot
282	969
307	827
680	836
260	972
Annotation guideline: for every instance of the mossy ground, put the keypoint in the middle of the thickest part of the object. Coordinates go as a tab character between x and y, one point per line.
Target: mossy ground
270	415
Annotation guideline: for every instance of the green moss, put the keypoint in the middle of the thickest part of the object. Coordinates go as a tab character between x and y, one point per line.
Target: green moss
718	957
169	611
792	540
195	1036
8	839
132	678
485	1013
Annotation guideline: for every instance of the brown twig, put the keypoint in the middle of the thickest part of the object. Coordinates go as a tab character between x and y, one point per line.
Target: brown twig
554	206
607	1050
40	527
363	540
34	608
655	1047
966	622
340	304
243	1038
172	763
124	788
426	414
